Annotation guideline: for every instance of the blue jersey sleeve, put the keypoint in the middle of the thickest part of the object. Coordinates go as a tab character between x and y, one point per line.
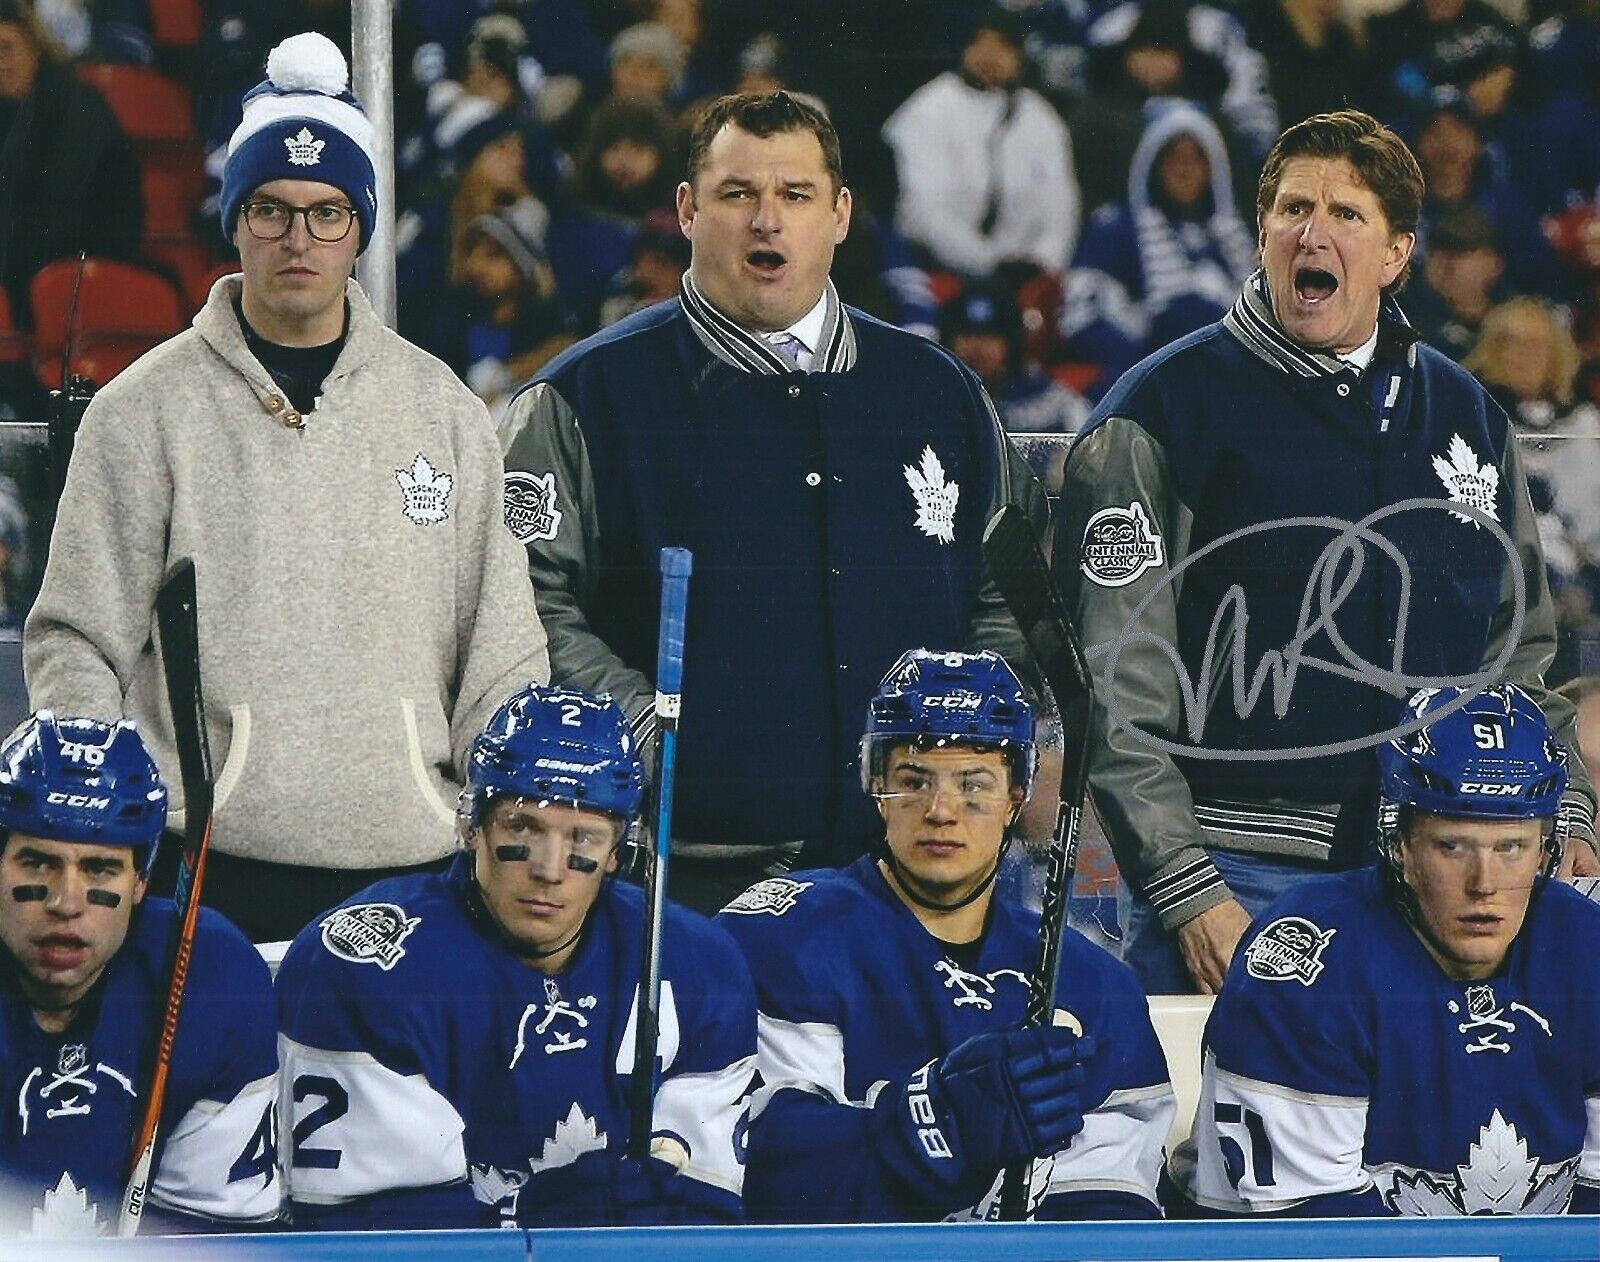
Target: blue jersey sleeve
218	1154
1287	1067
372	1138
1111	1168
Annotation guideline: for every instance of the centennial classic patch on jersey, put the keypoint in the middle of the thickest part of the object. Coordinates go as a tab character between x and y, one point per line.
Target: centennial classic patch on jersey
369	933
771	897
531	511
1119	544
936	497
1288	950
1468	482
426	490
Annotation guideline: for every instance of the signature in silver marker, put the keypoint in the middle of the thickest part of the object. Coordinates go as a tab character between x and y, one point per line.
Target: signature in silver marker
1333	577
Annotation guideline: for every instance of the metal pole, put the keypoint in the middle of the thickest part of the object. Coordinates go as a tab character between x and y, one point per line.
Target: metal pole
372	57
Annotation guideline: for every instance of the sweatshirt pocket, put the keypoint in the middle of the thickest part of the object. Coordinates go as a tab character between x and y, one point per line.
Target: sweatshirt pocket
336	784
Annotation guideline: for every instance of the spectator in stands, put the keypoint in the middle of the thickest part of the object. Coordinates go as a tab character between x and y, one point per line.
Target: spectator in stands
985	164
1547	137
774	429
1416	47
1526	357
659	258
502	320
1209	31
1166	260
624	170
100	30
1153	59
1462	277
1316	60
362	609
1460	171
69	177
983	326
647	62
1576	235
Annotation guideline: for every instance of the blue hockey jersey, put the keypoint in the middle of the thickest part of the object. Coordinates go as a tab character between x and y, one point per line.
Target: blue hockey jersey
854	996
1344	1072
434	1078
71	1098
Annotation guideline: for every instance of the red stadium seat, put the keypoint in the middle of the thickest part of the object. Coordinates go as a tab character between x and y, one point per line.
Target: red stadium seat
1039	305
173	184
118	304
175	23
149	106
14	343
1076	376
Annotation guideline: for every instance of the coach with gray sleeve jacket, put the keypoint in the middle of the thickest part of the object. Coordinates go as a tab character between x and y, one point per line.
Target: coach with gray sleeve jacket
832	475
1242	630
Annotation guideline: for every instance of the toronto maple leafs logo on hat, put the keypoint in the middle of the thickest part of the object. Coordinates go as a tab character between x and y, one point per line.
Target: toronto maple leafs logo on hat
305	150
426	490
1468	482
936	498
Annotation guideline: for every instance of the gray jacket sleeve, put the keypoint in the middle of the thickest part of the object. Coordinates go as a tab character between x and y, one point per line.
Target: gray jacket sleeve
992	626
1140	795
502	647
94	617
1536	643
546	460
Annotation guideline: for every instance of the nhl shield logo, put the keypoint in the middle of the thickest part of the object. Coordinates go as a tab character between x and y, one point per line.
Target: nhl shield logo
1119	544
72	1058
1288	950
368	933
771	897
531	511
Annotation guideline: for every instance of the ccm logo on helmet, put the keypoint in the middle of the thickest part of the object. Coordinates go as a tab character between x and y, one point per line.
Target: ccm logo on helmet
954	701
77	799
1491	790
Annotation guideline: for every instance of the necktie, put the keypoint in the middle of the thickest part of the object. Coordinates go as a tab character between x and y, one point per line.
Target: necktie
789	346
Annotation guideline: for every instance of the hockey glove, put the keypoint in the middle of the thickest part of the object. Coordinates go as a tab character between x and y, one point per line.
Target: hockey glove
997	1099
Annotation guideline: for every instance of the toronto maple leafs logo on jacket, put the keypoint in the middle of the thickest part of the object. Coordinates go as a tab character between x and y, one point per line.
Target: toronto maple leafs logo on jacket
935	496
1467	481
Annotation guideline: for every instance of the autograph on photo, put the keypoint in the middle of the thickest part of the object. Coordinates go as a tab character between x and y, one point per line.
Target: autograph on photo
1333	577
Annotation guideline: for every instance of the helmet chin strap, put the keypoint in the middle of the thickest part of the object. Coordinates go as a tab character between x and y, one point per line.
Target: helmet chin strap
966	900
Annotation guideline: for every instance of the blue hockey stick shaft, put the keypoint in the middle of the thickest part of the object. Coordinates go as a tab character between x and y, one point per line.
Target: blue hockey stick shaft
676	566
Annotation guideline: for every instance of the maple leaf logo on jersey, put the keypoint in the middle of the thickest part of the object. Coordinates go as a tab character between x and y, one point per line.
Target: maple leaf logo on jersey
427	491
1468	482
1499	1177
65	1213
575	1135
305	150
936	498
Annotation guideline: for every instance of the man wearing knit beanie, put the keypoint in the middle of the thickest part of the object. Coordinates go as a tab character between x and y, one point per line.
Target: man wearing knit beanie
362	608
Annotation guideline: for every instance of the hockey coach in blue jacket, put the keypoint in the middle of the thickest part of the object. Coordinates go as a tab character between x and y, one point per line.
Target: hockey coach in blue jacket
813	458
1256	643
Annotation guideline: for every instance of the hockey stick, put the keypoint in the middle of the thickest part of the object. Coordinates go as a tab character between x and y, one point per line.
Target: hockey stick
1012	552
676	565
177	622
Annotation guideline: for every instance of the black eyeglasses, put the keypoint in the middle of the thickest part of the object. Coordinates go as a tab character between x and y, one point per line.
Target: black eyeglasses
326	221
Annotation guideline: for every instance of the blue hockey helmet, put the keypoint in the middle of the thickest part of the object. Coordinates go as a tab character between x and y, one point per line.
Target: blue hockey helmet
931	699
1493	758
84	781
558	745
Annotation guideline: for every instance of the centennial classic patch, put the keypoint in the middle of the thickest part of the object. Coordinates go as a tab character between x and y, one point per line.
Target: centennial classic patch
531	511
426	490
1288	950
368	933
1119	544
771	897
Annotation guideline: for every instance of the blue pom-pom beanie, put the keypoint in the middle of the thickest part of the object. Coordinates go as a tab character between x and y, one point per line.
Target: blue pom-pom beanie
302	123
